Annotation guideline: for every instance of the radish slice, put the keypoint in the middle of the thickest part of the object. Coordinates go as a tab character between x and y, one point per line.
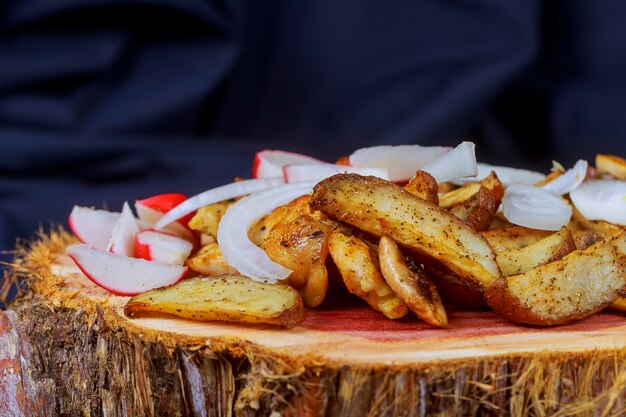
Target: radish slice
164	203
533	207
153	245
92	226
122	275
401	160
232	234
270	163
123	236
458	163
215	195
506	175
149	216
601	200
318	172
569	180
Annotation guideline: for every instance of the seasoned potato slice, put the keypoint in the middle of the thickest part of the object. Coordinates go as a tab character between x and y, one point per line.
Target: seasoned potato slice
413	287
424	186
207	219
585	238
478	210
612	165
606	229
580	284
360	271
548	249
514	237
458	196
210	261
382	208
232	298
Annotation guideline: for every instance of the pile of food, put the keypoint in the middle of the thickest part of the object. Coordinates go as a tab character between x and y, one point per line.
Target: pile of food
404	228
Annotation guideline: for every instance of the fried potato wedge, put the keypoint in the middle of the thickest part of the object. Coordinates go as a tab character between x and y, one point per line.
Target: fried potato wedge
210	261
207	219
548	249
360	270
585	238
611	165
606	229
413	287
478	210
461	194
580	284
455	292
232	298
619	304
382	208
514	237
424	186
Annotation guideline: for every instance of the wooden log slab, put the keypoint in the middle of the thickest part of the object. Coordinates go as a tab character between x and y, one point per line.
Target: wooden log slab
67	349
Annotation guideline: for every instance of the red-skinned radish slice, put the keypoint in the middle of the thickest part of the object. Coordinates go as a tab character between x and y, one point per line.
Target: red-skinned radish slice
535	208
92	226
401	161
149	216
153	245
318	172
569	180
269	163
123	236
123	275
215	195
601	200
458	163
164	203
506	175
232	234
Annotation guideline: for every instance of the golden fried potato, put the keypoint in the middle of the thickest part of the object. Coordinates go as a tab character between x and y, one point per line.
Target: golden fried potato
585	238
360	271
611	165
461	194
498	221
548	249
413	287
580	284
382	208
233	298
424	186
478	210
514	237
606	229
455	292
207	219
619	304
210	261
301	244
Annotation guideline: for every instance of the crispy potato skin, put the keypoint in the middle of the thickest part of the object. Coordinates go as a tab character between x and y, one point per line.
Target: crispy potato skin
456	293
515	237
585	238
424	186
360	270
413	287
461	194
478	210
232	298
580	284
382	208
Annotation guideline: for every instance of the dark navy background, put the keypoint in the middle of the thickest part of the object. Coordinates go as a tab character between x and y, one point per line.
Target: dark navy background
107	101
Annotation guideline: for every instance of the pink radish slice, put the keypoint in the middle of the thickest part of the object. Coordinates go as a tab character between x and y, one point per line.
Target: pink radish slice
317	172
122	275
92	226
149	216
164	203
270	163
153	245
123	236
401	160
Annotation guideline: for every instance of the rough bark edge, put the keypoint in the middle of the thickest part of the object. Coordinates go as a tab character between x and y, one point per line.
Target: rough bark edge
265	381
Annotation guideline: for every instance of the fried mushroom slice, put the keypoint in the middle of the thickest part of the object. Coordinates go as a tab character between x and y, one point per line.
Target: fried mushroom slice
424	186
360	271
412	286
580	284
478	210
301	244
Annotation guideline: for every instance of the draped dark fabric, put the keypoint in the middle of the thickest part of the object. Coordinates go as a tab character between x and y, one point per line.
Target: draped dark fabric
107	101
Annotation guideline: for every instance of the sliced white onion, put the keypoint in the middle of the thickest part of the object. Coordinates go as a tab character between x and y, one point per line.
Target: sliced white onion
458	163
601	200
401	161
533	207
318	172
569	180
232	234
270	163
506	175
215	195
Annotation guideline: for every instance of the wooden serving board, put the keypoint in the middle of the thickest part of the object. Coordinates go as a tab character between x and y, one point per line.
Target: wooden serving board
68	349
